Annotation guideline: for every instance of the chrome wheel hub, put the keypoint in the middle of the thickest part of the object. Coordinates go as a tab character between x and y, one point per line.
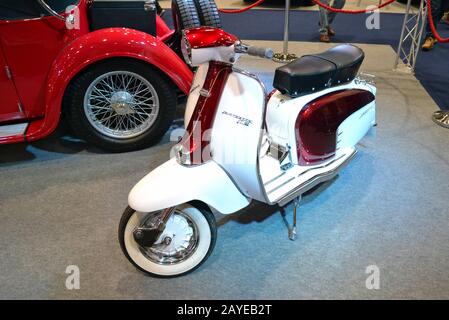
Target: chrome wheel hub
177	242
121	104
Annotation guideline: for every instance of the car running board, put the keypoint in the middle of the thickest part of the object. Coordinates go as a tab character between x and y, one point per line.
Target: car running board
13	130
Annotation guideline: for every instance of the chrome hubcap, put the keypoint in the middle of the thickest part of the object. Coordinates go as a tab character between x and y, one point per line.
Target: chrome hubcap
121	104
177	242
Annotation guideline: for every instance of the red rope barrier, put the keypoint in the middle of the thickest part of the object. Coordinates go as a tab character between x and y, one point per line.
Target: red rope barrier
432	24
243	9
325	6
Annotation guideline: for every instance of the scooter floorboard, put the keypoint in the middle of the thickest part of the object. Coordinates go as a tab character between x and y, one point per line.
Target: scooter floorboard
283	186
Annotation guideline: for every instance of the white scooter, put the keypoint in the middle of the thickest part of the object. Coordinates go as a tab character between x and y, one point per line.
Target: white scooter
242	144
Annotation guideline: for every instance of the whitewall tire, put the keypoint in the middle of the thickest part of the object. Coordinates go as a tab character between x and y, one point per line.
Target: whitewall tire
192	235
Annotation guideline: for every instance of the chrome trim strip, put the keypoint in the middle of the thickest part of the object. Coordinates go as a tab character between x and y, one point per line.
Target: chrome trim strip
275	178
305	171
282	184
8	72
19	105
309	184
251	75
265	102
322	166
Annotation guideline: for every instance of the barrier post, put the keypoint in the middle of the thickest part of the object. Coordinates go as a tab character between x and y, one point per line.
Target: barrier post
285	56
441	118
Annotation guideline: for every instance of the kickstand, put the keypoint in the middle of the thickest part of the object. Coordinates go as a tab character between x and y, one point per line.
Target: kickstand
292	230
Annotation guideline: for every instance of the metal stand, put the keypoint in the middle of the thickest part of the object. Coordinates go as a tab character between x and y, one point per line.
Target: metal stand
285	57
292	230
411	34
441	118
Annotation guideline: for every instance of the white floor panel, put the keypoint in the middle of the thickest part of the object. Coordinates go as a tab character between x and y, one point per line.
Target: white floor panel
279	183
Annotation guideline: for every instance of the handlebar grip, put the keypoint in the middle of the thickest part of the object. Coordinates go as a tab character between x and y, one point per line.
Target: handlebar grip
260	52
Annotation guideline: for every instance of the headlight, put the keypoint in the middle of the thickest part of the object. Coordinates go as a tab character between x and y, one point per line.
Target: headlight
186	49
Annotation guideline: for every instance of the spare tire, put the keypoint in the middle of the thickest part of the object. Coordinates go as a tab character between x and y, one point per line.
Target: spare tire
185	15
208	13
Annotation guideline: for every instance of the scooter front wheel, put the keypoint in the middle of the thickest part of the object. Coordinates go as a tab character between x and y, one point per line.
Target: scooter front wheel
186	242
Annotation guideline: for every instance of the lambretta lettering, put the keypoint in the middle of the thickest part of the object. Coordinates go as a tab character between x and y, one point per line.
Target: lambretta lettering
202	311
240	120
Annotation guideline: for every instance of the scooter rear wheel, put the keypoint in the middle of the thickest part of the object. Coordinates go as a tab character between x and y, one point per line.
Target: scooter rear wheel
187	241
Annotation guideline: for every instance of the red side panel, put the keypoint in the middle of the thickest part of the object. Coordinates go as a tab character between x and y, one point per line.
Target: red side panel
195	139
317	123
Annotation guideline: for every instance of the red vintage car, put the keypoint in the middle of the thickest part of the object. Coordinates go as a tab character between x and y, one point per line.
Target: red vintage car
113	69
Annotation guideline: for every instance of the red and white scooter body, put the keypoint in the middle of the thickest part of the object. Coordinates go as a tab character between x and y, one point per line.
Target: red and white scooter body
250	148
333	147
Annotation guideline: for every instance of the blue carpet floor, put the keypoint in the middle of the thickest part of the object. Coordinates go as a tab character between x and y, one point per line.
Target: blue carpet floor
432	68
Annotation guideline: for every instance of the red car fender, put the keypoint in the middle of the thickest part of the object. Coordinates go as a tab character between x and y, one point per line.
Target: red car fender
100	45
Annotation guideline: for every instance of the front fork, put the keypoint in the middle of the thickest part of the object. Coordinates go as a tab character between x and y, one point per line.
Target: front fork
146	235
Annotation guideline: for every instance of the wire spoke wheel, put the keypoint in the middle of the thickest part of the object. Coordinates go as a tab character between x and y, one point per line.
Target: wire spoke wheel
121	104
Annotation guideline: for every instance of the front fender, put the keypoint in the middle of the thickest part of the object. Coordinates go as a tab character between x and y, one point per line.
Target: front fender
100	45
172	184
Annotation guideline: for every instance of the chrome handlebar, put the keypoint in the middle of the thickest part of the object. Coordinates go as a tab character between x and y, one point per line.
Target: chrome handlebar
253	50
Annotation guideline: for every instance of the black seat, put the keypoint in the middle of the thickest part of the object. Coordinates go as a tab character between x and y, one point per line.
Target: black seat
312	73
